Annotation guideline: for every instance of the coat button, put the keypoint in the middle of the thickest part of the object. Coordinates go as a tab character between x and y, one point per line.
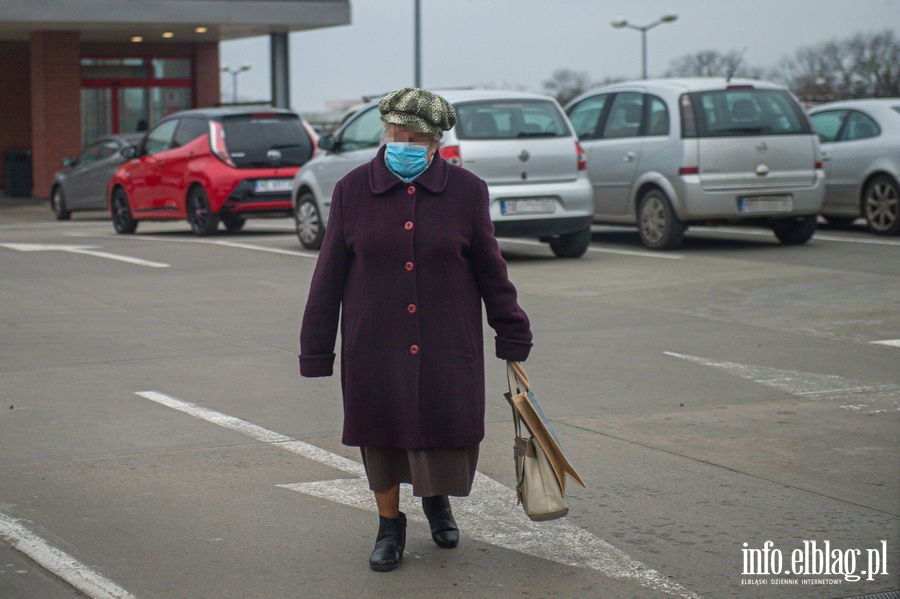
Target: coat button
408	226
410	266
411	189
411	308
414	350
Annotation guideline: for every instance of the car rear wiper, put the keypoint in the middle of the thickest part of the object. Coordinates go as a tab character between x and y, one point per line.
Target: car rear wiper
537	134
741	130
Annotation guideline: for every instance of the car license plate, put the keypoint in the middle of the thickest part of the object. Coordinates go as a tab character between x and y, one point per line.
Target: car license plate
270	185
532	206
765	204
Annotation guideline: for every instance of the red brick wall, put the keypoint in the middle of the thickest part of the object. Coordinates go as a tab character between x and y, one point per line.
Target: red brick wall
55	104
15	101
206	75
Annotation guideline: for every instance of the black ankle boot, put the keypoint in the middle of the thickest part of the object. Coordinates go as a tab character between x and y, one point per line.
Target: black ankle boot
389	544
443	527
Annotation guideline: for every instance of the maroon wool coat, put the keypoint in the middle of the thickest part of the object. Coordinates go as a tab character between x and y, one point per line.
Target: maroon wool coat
406	266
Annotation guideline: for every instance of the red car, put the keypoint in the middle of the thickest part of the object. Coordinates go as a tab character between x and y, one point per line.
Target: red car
211	165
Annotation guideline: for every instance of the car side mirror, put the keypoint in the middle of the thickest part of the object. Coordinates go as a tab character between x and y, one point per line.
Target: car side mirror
128	152
68	161
327	143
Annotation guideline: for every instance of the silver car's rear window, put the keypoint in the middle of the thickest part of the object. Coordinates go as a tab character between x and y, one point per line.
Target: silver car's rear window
747	112
509	119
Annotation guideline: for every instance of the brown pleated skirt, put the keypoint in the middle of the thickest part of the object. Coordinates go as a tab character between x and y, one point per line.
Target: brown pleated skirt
430	471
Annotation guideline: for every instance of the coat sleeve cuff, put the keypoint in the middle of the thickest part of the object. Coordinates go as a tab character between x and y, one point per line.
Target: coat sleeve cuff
313	366
512	349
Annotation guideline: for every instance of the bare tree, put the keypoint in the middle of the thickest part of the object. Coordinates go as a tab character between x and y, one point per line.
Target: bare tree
864	66
711	63
565	84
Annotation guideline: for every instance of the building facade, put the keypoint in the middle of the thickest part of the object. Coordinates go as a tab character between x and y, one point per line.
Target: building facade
72	70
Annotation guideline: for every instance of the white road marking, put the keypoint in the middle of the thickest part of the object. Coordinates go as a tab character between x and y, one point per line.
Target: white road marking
261	248
816	237
80	249
888	342
803	384
661	255
259	433
225	243
488	512
78	575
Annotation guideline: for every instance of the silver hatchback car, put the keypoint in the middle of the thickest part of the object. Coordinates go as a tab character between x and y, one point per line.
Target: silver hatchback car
664	154
521	144
861	151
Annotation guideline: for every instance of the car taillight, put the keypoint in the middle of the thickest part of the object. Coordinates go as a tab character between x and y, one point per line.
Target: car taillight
217	142
688	122
582	162
819	165
451	154
689	170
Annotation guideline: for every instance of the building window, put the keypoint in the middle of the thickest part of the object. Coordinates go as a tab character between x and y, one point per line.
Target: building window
125	95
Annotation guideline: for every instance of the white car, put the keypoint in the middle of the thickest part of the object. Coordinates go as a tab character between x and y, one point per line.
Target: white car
521	144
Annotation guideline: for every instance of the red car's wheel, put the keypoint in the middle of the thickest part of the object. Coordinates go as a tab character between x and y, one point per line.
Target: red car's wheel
122	220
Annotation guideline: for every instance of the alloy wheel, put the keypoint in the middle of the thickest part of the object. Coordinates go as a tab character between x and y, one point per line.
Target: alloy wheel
653	219
881	206
309	224
200	217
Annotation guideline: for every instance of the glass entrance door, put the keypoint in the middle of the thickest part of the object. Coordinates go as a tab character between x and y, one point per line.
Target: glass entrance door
127	95
134	109
96	113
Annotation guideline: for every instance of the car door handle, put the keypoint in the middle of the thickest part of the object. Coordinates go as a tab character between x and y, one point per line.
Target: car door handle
826	158
630	156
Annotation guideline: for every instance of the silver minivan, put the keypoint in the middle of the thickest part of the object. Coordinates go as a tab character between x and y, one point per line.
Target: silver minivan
520	143
668	153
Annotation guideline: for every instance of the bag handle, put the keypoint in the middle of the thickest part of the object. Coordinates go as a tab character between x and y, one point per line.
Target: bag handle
516	377
518	382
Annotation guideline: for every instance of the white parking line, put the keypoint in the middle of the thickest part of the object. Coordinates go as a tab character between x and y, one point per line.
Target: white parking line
488	510
234	244
888	342
261	248
80	249
816	237
661	255
803	384
63	565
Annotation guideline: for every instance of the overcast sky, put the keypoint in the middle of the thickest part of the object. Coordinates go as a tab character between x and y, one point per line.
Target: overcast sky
519	43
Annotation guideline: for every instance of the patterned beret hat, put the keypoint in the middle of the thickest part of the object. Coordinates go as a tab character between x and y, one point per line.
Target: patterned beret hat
417	109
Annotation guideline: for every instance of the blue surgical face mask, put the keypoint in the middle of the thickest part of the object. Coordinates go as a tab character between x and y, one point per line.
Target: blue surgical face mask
406	160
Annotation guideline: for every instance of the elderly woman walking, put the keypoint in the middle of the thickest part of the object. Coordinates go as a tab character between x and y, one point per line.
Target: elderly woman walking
408	257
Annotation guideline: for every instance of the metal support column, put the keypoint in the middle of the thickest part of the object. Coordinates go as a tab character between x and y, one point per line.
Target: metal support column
281	82
417	34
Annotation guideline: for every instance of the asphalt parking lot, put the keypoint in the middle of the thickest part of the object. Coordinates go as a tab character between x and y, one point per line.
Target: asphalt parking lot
157	441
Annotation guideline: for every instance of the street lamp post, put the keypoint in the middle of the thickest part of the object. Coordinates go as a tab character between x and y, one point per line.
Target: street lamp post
622	22
234	75
417	70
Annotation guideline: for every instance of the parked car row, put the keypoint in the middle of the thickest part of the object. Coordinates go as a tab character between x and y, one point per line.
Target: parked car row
208	166
661	155
521	144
